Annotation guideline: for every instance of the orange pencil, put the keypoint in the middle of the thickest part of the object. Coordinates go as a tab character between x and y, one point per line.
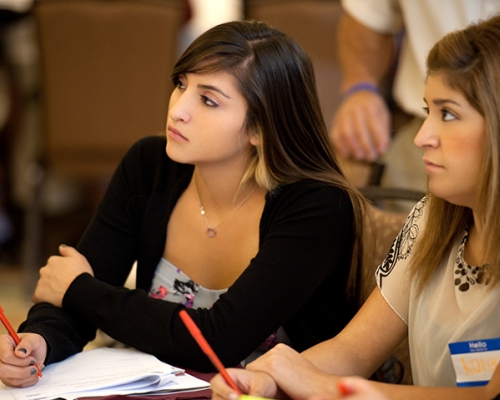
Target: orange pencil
14	335
202	342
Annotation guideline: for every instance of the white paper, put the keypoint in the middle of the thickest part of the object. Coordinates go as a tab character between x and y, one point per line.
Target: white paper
100	372
180	383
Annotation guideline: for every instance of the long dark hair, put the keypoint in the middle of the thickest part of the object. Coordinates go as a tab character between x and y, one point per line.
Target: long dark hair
276	78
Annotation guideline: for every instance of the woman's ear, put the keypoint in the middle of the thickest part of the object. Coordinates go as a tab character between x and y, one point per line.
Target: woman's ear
255	138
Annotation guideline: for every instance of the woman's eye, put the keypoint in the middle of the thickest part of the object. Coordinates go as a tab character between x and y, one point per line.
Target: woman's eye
209	102
426	110
179	83
447	115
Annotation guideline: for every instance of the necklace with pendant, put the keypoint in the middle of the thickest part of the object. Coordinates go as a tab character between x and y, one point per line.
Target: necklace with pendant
212	230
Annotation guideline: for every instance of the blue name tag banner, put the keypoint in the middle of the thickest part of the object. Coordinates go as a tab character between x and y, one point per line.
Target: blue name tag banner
474	361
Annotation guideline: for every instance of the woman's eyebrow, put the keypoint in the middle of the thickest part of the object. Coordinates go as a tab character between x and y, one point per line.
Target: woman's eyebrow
214	88
440	102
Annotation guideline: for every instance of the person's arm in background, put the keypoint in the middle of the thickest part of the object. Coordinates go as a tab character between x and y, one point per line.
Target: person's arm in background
361	124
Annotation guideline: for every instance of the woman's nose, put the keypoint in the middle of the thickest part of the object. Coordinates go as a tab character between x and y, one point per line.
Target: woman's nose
179	107
426	137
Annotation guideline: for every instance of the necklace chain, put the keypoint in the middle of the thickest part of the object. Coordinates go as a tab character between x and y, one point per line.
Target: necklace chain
212	230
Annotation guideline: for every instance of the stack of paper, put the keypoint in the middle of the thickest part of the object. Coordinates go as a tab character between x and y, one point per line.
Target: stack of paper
105	371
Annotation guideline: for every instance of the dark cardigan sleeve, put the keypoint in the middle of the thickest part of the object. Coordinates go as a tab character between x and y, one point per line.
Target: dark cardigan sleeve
301	268
110	243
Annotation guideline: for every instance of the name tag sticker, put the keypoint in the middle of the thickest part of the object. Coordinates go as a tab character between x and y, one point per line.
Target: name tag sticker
475	361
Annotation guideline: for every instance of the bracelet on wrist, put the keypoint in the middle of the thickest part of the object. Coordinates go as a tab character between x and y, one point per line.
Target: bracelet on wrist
360	87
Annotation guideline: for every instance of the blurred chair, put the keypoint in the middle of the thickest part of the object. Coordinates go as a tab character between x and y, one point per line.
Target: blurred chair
105	82
381	196
381	228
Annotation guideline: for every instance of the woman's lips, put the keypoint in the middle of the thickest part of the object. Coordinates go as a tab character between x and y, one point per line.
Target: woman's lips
175	134
429	165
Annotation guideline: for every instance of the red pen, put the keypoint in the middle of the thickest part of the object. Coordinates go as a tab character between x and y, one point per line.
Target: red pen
202	342
344	389
14	335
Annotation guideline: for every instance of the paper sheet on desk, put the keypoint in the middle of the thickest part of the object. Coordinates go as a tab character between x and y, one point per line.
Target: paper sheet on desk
99	372
181	383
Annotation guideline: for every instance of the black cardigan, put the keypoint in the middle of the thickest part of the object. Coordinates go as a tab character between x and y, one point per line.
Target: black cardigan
297	280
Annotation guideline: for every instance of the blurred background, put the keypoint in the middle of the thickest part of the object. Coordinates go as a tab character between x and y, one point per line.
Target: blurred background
80	81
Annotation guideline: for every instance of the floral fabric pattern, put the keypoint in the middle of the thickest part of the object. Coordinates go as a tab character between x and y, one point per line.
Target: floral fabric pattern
403	244
171	284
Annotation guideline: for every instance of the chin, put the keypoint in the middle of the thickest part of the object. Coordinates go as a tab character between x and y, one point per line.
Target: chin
439	191
452	198
175	155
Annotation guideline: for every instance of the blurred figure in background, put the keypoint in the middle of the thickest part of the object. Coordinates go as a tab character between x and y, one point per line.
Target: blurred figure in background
207	14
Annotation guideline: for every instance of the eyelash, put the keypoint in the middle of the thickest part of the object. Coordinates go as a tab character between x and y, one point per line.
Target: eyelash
206	100
178	83
444	113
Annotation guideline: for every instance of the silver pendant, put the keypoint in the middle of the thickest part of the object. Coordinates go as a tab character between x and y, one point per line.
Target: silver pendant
211	232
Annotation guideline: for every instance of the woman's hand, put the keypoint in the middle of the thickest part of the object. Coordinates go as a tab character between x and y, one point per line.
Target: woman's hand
257	384
294	374
17	363
361	126
57	275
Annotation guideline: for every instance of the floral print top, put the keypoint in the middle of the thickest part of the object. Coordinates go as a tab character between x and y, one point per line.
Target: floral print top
171	284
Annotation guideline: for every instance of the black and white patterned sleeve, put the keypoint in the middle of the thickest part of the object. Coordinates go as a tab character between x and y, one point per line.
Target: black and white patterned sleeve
391	275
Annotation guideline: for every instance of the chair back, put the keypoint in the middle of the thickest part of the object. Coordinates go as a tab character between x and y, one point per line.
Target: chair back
105	83
105	73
